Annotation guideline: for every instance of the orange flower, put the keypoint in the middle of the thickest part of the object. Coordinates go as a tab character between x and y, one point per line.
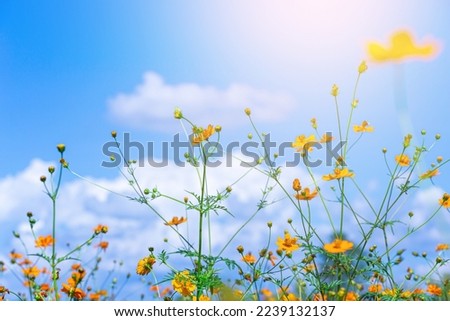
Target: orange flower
338	174
429	174
402	160
338	246
176	221
288	244
31	272
306	195
183	283
15	256
201	134
373	288
249	258
351	296
442	247
44	241
401	46
433	289
320	297
272	258
363	128
73	292
101	229
145	265
103	245
445	200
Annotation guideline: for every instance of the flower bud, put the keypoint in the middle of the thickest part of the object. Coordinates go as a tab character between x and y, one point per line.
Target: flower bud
43	178
114	134
61	148
248	111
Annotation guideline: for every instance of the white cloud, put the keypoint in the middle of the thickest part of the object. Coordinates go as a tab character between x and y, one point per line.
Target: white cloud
153	102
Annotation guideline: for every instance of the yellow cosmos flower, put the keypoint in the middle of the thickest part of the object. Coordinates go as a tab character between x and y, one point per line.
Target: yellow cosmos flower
351	296
306	194
338	246
334	90
302	143
429	174
176	221
201	135
433	289
145	265
441	247
44	241
338	174
363	128
183	283
296	186
202	298
249	258
288	244
445	200
31	272
403	160
374	288
402	46
326	138
362	67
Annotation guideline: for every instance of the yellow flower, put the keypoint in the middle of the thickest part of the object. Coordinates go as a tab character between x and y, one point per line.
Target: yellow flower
202	298
334	90
338	246
201	135
442	247
407	140
44	241
326	138
177	113
296	186
183	283
288	244
363	128
402	46
302	143
338	174
249	258
402	160
176	221
362	67
445	200
267	293
430	173
145	265
306	195
289	297
433	289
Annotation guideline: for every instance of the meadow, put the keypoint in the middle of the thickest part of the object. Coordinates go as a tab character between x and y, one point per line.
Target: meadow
361	255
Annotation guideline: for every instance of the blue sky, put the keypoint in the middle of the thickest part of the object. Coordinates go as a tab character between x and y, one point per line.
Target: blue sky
70	72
